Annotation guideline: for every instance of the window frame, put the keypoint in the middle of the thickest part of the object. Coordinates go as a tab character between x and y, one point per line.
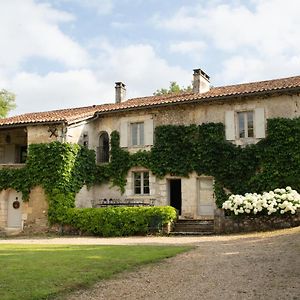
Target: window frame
142	186
246	120
140	134
103	148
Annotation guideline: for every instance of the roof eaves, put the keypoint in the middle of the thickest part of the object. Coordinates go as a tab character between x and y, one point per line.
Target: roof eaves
209	99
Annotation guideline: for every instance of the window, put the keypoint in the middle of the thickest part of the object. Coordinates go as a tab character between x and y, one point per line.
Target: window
85	140
240	125
141	183
137	134
245	124
103	149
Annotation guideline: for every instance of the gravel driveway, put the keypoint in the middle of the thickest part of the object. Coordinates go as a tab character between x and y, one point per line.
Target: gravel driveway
250	266
254	266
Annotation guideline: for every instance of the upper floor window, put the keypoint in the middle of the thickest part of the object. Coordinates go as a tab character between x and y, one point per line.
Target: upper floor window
141	183
137	134
85	139
245	124
103	148
136	131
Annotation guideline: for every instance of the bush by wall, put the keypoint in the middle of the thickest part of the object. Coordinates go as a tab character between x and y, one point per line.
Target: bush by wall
119	221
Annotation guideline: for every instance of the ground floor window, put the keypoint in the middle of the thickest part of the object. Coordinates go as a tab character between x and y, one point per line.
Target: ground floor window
141	183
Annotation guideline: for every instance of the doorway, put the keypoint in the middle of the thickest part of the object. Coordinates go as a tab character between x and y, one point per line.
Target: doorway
14	212
175	194
206	201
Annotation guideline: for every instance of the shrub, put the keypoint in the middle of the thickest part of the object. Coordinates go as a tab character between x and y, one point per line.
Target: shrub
119	221
278	201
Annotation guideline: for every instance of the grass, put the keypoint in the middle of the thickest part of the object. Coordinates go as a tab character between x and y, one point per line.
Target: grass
44	271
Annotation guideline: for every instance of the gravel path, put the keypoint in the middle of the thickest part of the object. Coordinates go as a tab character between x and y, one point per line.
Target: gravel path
250	266
255	266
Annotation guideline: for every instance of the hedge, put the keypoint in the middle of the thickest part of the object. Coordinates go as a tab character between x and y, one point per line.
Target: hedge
119	221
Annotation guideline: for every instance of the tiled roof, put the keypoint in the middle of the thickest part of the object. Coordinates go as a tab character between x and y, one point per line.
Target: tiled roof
67	115
216	93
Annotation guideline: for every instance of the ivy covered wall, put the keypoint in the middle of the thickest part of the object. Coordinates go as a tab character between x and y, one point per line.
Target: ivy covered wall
62	169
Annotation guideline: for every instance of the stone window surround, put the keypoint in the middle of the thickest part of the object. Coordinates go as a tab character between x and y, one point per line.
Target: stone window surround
232	124
125	131
142	183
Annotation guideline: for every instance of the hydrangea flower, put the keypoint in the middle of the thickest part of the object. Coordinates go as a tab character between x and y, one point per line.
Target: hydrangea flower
280	200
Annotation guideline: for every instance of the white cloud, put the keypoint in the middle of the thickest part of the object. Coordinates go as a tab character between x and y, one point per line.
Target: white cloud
138	66
28	29
193	48
102	7
121	25
57	90
262	37
245	68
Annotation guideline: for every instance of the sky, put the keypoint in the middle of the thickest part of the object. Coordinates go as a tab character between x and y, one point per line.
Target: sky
69	53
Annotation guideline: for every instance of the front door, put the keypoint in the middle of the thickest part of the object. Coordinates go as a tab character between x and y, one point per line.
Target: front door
175	194
206	201
14	212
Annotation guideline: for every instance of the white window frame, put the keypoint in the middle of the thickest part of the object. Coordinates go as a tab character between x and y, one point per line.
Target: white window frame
142	185
245	115
140	134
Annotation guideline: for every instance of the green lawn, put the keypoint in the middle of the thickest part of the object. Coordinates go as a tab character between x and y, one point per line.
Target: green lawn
39	271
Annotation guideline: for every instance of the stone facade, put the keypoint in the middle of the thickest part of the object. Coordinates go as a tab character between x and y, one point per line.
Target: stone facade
30	216
196	199
35	211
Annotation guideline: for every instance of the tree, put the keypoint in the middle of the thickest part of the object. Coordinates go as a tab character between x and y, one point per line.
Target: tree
7	102
173	88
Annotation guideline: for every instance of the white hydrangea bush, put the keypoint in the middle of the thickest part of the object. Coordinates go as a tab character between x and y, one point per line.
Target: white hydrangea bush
278	201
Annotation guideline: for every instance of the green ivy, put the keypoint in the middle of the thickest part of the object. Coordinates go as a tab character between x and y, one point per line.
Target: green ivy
62	169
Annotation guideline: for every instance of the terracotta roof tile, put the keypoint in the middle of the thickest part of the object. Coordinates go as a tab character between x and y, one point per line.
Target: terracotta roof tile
67	115
224	92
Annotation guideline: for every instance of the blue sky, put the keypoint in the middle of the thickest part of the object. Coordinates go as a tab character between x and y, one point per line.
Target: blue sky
68	53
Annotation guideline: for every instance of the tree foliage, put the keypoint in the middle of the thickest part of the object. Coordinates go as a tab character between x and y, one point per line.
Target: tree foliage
174	88
7	102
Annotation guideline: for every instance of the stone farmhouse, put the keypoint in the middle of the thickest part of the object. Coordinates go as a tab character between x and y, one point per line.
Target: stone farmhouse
242	108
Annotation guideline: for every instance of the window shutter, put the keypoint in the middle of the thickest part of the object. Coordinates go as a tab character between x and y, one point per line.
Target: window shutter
259	123
148	130
124	134
229	125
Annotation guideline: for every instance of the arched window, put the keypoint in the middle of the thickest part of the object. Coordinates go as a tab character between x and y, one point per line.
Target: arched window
103	149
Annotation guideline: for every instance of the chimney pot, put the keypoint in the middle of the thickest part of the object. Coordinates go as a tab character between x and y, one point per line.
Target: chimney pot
200	81
120	92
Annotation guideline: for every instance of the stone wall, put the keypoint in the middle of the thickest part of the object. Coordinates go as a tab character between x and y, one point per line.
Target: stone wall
35	211
41	134
232	224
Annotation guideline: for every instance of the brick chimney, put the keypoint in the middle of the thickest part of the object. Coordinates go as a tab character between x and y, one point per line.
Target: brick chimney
120	92
200	81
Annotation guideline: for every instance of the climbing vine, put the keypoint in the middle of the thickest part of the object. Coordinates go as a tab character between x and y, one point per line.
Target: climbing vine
62	169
